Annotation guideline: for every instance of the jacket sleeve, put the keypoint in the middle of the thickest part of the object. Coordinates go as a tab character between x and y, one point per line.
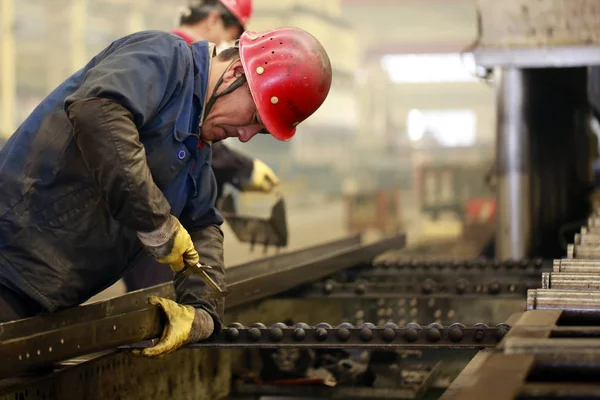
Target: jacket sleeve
125	88
231	166
191	289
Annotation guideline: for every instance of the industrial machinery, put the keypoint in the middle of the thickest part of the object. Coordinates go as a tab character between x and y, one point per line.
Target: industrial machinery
391	330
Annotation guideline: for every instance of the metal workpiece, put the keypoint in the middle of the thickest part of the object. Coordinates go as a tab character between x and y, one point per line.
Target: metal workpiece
570	281
30	343
550	299
576	265
349	336
512	154
579	346
585	251
593	222
587	239
21	354
267	281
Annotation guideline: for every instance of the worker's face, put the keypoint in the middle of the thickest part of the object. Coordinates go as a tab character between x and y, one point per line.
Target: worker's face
214	28
234	114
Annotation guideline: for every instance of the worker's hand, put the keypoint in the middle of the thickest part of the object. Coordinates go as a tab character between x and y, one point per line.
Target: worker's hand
170	244
185	325
263	178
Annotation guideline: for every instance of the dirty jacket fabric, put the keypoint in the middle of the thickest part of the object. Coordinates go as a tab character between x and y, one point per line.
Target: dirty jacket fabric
73	193
230	166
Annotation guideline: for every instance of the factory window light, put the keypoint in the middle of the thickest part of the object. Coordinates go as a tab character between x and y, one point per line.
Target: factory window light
429	68
450	128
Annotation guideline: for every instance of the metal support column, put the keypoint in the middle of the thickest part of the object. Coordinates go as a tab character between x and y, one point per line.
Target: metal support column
8	85
512	152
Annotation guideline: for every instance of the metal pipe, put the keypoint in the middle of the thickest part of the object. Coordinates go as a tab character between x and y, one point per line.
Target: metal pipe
551	299
570	281
512	154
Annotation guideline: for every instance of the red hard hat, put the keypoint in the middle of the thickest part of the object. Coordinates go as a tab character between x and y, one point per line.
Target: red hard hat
289	75
241	9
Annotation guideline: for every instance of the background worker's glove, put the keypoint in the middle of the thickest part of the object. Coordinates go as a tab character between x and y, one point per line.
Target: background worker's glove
263	178
170	244
186	324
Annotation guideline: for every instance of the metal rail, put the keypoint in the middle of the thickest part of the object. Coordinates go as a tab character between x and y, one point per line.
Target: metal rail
34	342
465	265
369	336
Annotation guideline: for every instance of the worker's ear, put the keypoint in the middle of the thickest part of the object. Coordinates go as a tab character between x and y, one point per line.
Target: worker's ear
234	71
213	19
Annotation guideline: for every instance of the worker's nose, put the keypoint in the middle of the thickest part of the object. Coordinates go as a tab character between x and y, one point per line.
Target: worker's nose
248	132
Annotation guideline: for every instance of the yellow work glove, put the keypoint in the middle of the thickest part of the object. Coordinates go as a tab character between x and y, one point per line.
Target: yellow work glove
263	178
186	324
170	244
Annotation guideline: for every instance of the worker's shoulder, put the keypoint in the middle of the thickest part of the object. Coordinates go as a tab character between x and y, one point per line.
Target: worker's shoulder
153	40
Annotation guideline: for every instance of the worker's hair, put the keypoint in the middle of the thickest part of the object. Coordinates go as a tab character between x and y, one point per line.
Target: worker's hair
198	11
229	54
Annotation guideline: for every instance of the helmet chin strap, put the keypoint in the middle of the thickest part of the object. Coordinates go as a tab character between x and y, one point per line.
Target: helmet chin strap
213	98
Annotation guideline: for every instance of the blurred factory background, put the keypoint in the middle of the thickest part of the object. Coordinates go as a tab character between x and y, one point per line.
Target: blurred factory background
403	142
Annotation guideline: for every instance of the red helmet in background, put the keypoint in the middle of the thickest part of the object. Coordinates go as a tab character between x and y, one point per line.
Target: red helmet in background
241	9
289	75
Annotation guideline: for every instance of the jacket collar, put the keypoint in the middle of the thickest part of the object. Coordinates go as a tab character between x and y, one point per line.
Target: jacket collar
203	53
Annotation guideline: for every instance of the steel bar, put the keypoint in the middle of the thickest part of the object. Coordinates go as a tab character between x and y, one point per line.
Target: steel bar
570	281
512	148
265	265
46	342
594	230
587	239
83	314
589	252
273	281
579	346
137	300
576	266
389	336
549	299
26	353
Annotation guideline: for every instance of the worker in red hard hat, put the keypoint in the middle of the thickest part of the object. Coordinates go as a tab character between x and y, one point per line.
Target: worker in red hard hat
220	22
214	20
115	163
